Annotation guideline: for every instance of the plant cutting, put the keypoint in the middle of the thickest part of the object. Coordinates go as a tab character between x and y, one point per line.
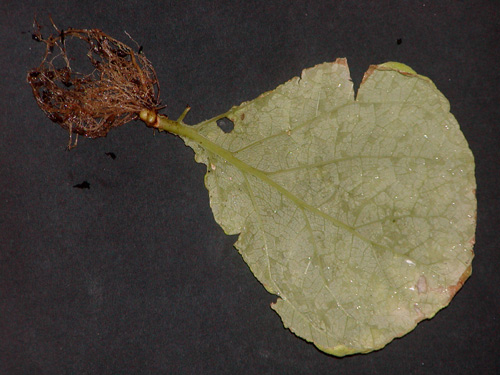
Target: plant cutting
357	211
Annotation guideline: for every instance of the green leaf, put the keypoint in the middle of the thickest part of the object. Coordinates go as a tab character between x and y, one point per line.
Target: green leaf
359	214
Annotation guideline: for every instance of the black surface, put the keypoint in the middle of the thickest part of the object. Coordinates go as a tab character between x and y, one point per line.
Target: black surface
130	274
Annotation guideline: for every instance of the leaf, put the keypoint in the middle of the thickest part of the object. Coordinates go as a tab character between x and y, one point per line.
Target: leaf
359	214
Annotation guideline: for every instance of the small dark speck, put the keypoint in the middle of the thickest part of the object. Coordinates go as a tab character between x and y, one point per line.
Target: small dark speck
112	155
140	50
399	41
83	185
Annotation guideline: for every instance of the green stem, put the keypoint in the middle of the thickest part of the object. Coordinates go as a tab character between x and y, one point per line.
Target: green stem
179	128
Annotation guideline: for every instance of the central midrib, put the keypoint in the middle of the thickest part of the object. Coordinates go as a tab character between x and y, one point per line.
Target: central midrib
189	132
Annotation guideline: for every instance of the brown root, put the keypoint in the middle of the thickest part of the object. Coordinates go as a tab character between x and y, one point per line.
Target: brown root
121	83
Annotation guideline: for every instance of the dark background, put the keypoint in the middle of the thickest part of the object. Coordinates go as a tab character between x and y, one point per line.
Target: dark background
133	275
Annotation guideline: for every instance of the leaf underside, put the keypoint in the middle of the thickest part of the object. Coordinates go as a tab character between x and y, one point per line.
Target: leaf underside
359	214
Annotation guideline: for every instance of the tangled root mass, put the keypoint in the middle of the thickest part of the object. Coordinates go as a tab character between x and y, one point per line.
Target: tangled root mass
121	83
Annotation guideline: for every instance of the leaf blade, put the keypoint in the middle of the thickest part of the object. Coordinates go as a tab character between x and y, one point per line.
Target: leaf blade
359	214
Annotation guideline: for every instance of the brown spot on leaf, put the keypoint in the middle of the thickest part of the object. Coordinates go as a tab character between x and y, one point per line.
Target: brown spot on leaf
422	284
455	288
341	61
369	72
